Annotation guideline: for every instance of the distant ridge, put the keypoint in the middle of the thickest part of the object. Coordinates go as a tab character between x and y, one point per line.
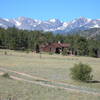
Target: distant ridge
53	25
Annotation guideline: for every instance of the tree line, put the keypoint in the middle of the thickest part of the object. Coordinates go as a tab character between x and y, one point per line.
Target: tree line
15	39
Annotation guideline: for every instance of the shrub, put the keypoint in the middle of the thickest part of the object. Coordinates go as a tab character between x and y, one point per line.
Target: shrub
5	53
50	53
6	75
27	51
64	52
81	72
91	53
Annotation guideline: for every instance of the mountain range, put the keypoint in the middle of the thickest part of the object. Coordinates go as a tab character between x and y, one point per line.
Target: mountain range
53	25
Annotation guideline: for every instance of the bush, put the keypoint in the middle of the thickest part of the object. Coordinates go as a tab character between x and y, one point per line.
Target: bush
27	51
50	53
64	52
5	53
81	72
6	75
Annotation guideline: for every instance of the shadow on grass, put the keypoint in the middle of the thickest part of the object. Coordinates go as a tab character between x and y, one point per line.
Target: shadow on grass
93	81
42	81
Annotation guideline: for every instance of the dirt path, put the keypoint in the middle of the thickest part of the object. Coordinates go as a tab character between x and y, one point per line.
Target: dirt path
1	73
51	83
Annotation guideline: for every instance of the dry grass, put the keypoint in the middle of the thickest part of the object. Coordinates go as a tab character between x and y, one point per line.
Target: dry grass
54	67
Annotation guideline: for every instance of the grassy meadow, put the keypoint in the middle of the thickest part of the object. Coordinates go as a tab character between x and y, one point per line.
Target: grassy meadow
52	67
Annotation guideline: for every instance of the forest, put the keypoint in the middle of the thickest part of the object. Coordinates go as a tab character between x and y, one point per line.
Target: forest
15	39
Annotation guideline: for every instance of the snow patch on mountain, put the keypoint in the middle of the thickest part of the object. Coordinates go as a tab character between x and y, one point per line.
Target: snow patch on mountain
52	20
65	24
1	24
17	23
95	26
6	19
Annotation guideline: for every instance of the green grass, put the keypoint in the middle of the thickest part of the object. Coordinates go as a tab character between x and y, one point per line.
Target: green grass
53	67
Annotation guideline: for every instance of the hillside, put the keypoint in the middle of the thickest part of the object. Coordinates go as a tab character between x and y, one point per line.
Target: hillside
93	33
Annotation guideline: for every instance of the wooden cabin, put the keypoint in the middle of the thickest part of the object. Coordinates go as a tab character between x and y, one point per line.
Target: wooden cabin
54	47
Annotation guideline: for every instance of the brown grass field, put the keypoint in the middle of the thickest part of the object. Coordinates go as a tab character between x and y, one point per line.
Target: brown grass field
49	67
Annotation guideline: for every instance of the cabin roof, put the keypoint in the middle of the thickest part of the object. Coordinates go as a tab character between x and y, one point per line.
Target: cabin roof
57	45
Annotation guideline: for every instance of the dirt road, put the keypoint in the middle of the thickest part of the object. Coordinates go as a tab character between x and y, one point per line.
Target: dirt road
50	83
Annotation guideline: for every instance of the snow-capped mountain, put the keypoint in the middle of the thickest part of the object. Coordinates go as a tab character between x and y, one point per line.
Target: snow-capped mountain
53	25
5	23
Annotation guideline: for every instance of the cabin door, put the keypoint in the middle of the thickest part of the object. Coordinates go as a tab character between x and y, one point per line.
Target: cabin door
57	50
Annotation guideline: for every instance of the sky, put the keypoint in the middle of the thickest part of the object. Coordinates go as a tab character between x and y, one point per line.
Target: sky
64	10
